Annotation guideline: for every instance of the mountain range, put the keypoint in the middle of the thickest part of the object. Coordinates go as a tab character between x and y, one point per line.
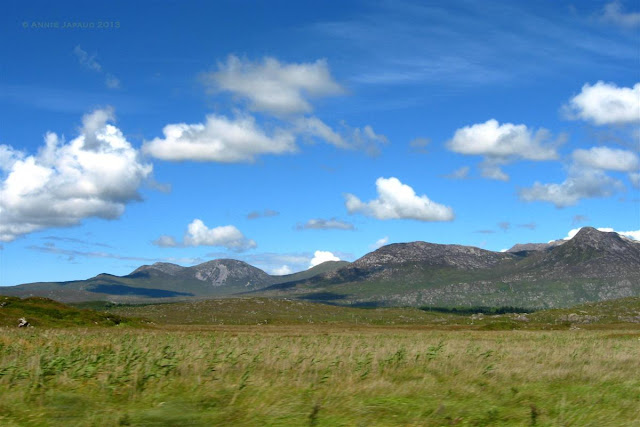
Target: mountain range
592	266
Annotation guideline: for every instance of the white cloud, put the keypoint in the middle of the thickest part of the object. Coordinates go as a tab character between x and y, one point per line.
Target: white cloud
198	234
346	137
502	143
325	224
94	175
634	177
228	236
273	87
399	201
379	243
607	158
580	184
605	104
281	271
635	235
322	256
219	139
613	13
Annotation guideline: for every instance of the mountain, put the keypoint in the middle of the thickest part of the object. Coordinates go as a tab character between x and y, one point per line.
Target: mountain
325	267
528	247
165	282
592	266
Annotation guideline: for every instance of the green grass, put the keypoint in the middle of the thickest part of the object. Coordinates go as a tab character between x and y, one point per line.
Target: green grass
257	361
43	312
317	375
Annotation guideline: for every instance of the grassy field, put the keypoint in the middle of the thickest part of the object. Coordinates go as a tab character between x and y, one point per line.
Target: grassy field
391	367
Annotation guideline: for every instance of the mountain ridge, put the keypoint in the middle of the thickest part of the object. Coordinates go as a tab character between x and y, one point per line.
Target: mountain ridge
592	266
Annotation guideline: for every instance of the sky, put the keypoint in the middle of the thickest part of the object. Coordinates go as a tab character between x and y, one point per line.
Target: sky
285	134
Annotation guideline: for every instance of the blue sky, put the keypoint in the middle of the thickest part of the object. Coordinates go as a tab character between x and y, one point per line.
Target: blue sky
287	133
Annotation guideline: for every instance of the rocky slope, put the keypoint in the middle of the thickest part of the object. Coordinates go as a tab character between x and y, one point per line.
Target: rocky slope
164	281
592	266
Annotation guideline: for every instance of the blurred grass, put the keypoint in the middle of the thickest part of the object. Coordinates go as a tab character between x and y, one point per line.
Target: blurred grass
259	361
317	375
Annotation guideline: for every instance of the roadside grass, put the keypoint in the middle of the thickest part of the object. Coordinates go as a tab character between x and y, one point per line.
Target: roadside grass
323	375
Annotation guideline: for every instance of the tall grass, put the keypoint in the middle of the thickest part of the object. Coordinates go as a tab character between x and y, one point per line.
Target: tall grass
303	375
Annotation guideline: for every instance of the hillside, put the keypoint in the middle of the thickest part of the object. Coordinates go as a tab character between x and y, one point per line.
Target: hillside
43	312
166	282
592	266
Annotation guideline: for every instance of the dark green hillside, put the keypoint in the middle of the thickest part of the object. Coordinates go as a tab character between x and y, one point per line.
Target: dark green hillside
46	313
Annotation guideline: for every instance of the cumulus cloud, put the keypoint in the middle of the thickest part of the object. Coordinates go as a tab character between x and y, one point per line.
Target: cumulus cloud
198	234
635	235
502	143
580	184
398	201
605	104
325	224
379	243
608	158
281	271
613	13
322	256
219	139
346	137
273	87
94	175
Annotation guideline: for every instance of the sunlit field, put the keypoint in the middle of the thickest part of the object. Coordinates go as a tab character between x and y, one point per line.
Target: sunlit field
318	375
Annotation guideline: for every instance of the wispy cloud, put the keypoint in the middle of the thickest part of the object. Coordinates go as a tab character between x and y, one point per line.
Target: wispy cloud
325	224
614	13
264	214
71	254
90	62
465	48
74	240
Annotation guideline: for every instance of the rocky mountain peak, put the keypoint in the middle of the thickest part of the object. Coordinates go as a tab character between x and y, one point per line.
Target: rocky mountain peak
466	257
589	237
164	267
221	272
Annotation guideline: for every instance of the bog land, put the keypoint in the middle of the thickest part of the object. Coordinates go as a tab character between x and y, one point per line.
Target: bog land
277	362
